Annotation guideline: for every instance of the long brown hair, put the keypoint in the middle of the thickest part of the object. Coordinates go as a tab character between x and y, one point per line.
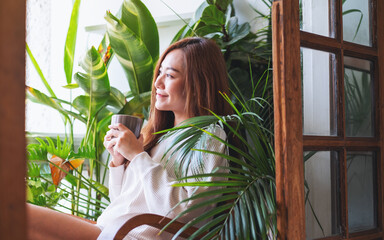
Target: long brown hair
206	76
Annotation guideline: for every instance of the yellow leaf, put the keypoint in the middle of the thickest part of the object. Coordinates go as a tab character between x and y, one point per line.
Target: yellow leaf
56	173
75	163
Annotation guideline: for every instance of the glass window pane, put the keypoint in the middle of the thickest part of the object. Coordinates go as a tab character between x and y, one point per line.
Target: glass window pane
319	97
356	21
359	107
361	184
322	191
315	15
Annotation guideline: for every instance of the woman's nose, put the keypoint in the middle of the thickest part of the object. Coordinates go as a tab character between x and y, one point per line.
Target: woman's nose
159	81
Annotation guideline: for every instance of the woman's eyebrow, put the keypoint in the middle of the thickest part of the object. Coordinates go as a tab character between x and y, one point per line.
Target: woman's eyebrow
173	69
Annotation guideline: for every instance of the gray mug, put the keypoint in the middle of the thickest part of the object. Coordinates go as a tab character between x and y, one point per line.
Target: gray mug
131	122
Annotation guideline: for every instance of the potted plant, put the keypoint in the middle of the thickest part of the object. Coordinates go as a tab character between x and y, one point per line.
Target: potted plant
133	39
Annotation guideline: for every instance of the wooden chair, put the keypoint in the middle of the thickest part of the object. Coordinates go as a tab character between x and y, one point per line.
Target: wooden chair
158	222
149	219
155	221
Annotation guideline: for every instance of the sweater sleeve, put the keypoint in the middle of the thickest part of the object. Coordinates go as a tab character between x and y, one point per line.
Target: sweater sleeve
116	175
157	181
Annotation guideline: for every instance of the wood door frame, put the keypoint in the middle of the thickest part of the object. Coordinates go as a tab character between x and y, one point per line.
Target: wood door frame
12	121
288	116
380	50
288	121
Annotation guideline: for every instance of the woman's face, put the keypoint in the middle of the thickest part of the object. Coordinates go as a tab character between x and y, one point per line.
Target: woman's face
169	84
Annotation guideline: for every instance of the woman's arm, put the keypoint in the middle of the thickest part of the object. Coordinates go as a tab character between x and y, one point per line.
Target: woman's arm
122	144
116	175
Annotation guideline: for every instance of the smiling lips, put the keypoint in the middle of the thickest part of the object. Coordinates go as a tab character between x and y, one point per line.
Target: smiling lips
160	95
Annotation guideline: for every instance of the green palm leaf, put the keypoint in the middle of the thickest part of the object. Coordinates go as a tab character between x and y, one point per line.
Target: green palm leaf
245	199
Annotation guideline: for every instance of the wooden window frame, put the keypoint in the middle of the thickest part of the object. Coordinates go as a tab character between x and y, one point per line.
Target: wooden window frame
12	121
289	139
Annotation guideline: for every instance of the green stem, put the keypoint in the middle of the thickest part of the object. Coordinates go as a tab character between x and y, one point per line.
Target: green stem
78	186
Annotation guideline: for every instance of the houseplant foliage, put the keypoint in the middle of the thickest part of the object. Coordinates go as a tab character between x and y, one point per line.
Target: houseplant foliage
245	199
241	47
248	206
133	38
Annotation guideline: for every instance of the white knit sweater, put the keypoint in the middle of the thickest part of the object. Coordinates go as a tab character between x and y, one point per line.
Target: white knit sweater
145	187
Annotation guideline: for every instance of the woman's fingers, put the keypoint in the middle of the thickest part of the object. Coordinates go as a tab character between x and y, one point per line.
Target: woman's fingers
109	144
113	133
121	141
118	126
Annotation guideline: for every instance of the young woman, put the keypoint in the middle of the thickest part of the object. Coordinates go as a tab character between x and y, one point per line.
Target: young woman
187	81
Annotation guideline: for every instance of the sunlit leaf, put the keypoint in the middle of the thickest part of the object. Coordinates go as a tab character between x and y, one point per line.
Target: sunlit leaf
29	194
39	97
70	43
75	163
137	17
94	81
132	54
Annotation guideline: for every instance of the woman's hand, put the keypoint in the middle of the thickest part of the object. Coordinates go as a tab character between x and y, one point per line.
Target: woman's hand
122	144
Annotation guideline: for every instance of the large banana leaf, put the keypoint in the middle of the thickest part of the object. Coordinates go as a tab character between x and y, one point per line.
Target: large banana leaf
70	43
82	104
137	18
132	53
135	106
94	82
116	100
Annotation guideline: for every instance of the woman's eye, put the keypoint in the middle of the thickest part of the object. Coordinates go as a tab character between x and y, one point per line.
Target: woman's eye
169	75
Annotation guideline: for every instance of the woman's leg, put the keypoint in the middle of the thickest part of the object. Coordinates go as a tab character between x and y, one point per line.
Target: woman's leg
44	223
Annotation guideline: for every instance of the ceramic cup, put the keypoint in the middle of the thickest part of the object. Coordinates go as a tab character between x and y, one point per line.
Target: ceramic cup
131	122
